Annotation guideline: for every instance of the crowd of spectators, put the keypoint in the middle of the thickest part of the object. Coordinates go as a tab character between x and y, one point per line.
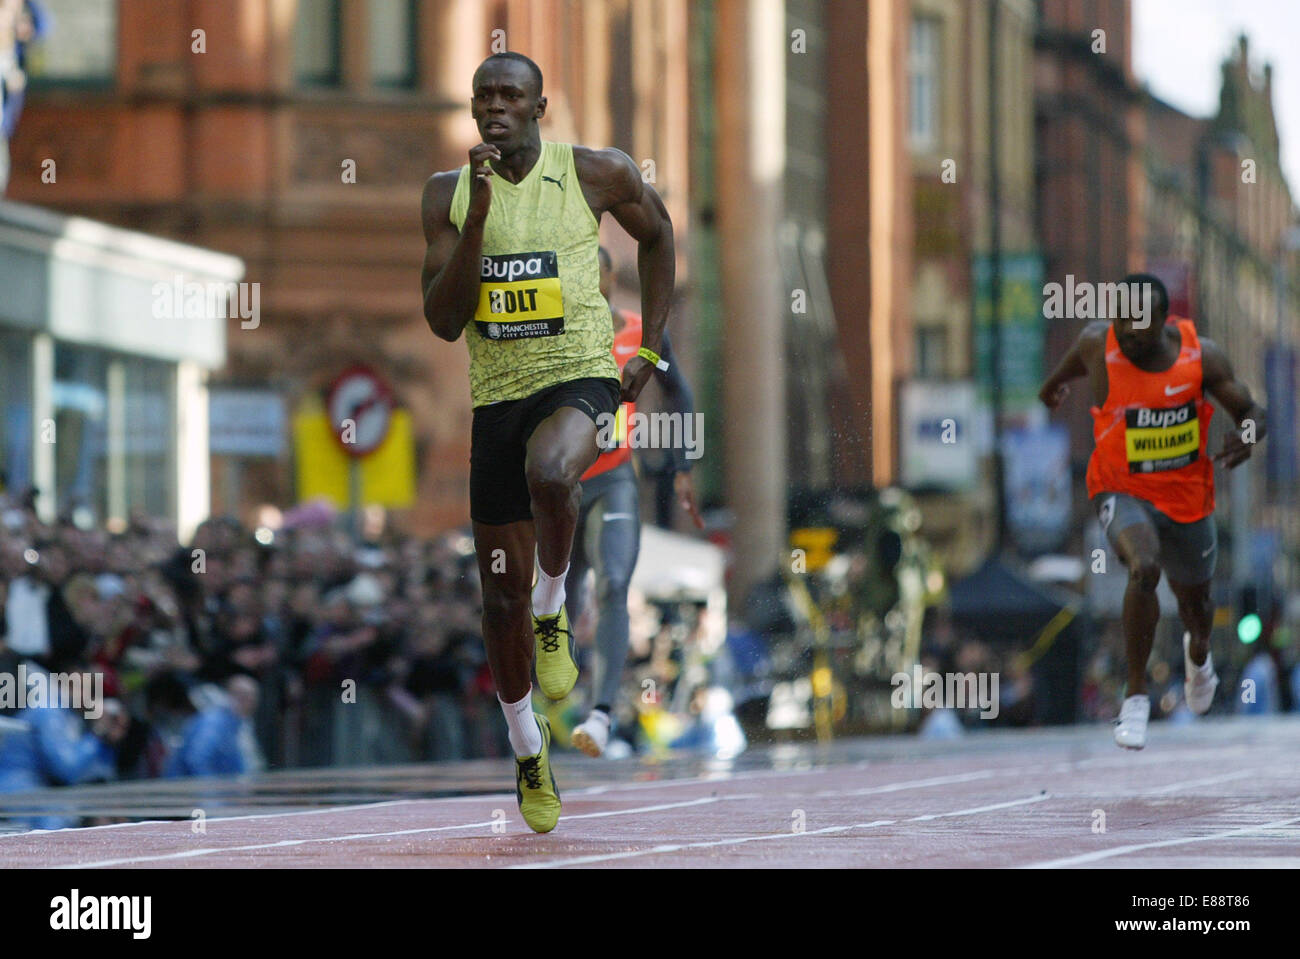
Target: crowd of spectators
247	648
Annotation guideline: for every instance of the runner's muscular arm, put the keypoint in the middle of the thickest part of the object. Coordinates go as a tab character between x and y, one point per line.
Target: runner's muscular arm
1219	381
616	182
1073	365
450	278
679	399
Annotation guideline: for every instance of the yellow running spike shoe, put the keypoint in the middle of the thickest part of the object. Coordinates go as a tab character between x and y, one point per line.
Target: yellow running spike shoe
557	673
539	797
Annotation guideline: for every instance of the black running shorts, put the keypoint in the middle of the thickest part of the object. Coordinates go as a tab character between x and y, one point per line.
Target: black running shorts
498	487
1187	550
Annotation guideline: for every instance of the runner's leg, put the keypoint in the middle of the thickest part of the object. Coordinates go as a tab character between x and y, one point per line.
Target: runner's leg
1188	554
560	450
620	540
1197	613
505	565
575	584
1133	534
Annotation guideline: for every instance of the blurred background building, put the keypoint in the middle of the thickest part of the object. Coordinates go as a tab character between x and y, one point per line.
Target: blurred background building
298	134
103	407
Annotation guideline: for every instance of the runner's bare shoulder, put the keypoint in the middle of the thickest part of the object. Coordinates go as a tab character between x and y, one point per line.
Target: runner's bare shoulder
1211	349
608	175
1214	362
1092	342
435	204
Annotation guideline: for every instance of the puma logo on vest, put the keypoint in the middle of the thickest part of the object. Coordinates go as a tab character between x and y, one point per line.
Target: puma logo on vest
552	179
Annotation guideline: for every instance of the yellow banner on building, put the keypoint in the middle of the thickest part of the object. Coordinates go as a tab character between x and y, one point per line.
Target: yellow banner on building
387	474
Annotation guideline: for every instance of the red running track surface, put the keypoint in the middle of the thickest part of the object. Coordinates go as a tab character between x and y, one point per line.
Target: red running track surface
1217	793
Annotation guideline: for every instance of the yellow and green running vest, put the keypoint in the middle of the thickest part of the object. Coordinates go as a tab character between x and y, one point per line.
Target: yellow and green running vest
540	319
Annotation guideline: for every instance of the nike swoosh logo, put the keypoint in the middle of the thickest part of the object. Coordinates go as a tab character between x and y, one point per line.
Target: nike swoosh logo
1178	389
1107	512
1207	552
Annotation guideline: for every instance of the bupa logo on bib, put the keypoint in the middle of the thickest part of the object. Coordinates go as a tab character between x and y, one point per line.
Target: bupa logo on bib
1162	439
1159	419
520	296
517	267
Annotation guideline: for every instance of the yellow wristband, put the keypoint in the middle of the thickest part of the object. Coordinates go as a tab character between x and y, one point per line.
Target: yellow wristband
648	354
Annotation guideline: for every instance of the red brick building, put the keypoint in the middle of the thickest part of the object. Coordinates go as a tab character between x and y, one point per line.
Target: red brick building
298	134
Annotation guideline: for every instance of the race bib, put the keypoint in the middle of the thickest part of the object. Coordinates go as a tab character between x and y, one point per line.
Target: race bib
520	296
1159	440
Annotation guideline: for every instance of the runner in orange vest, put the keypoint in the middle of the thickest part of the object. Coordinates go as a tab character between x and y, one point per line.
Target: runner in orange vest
1149	478
609	525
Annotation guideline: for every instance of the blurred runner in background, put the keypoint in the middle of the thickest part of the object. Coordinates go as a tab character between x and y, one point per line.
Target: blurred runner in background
609	523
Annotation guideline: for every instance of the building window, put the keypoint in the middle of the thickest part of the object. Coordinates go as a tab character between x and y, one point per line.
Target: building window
148	403
316	48
931	353
392	42
81	426
114	417
15	412
923	84
79	43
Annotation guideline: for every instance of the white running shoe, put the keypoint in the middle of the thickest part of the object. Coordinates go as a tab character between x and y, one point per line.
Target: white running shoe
592	735
1199	682
1131	728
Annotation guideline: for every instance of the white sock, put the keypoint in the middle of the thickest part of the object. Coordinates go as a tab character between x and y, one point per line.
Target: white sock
525	736
548	594
600	716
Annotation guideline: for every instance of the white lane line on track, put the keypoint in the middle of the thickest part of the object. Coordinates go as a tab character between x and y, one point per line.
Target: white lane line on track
1208	781
1040	797
1064	766
592	791
979	774
1123	850
172	822
215	850
478	797
720	777
739	840
677	847
910	784
1159	790
633	786
698	780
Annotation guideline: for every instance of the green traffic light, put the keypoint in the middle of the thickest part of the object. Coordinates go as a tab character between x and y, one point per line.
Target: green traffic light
1249	628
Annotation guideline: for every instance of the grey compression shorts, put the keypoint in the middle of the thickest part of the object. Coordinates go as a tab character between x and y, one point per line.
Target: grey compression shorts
1187	550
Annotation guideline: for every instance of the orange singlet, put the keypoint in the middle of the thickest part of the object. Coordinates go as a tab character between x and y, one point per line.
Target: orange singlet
626	343
1152	430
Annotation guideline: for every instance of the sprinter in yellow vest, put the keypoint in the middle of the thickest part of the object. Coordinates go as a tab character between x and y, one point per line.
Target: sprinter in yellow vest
511	261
